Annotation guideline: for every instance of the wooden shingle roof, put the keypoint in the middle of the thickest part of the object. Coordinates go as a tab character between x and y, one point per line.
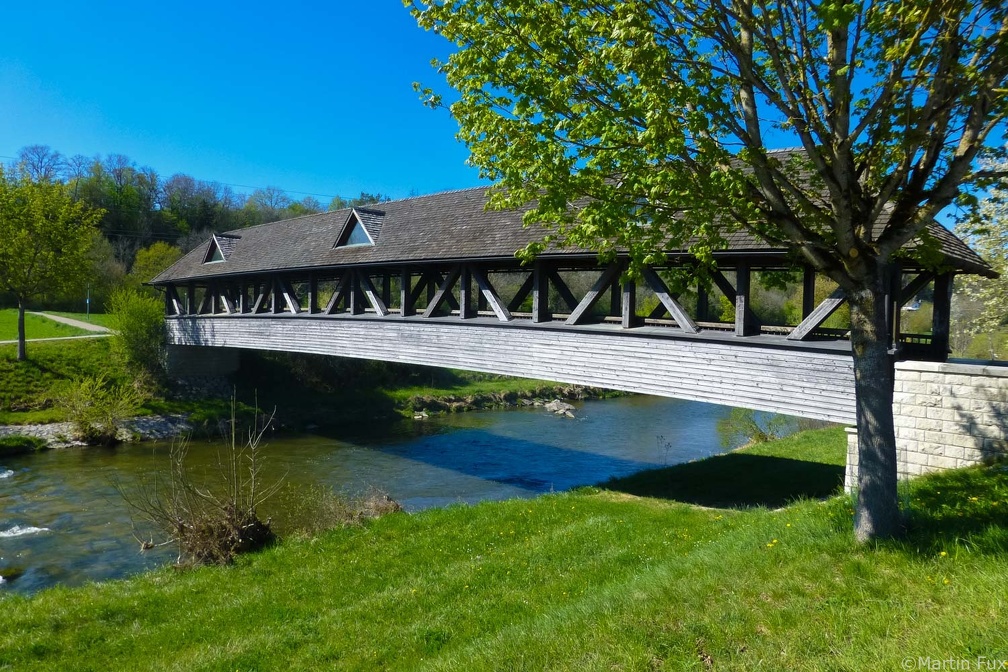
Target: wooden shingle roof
449	226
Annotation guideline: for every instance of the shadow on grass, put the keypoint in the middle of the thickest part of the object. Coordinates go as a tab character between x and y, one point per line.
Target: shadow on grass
962	507
735	481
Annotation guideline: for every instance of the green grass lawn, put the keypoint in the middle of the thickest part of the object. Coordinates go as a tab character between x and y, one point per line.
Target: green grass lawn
26	388
595	579
35	326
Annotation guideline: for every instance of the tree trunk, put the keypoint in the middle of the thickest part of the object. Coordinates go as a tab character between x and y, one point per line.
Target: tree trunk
877	515
22	355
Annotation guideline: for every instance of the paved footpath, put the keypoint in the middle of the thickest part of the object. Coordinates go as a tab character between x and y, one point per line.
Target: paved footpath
80	324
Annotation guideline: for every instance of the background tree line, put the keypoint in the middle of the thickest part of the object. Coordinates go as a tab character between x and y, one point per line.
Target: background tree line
149	220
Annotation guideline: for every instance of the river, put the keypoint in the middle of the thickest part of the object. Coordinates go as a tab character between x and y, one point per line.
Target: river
63	521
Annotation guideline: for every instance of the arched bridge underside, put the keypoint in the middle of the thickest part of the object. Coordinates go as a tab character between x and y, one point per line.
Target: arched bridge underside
762	372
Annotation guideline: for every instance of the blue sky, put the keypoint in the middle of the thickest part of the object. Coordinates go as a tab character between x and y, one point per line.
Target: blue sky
312	97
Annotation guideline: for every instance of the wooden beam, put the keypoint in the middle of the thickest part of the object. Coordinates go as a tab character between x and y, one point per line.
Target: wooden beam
563	290
668	302
615	294
894	286
355	295
466	309
290	298
407	302
422	283
225	299
628	316
608	277
443	291
312	294
722	283
488	292
379	306
702	303
914	287
276	303
808	291
207	302
818	316
746	323
173	305
190	298
258	305
341	289
522	292
386	289
540	294
941	316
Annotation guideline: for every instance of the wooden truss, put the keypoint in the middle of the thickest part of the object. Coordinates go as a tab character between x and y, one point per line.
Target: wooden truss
541	293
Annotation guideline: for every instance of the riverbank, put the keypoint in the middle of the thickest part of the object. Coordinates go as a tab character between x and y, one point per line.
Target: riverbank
307	392
591	579
141	428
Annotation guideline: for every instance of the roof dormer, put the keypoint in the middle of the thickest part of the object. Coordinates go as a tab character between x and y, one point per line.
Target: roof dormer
219	248
361	228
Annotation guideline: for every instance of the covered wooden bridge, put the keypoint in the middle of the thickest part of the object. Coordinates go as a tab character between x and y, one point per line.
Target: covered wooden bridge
434	280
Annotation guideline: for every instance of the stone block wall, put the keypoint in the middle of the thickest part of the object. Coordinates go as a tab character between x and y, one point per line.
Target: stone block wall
947	415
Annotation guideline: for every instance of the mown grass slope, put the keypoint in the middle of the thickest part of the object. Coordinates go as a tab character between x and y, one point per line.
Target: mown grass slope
35	326
594	579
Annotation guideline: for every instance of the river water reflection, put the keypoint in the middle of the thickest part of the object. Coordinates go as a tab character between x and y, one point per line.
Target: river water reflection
62	520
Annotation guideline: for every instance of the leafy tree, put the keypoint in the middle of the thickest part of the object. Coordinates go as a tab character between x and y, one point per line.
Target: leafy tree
658	118
987	232
152	260
139	339
365	198
44	241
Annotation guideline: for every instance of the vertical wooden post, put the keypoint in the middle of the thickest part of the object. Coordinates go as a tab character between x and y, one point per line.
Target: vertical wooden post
629	316
808	301
941	316
190	299
276	305
894	304
356	299
745	324
540	294
614	298
406	307
242	297
465	294
481	300
312	294
702	303
386	288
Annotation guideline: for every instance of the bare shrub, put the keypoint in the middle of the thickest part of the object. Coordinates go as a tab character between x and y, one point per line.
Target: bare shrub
213	519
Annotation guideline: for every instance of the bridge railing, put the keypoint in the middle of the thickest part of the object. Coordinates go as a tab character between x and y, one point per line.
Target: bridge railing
726	299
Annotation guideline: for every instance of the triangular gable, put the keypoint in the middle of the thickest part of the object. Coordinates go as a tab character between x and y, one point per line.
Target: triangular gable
219	248
355	230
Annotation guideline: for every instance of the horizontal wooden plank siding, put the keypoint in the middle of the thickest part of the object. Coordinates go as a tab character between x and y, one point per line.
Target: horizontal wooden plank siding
733	372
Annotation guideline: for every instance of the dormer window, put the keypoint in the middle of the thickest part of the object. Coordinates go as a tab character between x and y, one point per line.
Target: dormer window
361	228
219	248
357	235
